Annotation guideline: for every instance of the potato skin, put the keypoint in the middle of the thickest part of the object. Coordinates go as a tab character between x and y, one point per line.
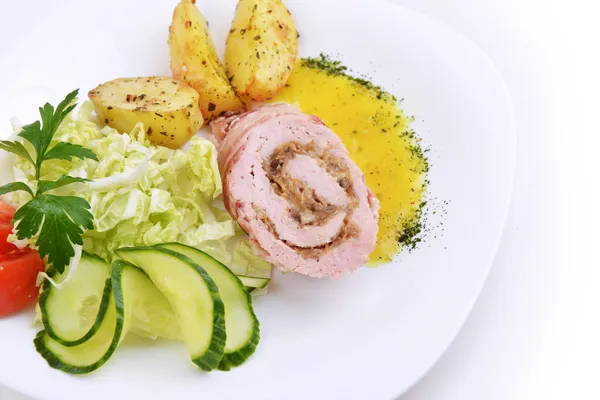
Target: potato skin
167	107
261	50
194	59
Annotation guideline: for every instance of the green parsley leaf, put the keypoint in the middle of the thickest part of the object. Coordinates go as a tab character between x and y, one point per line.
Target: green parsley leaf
14	187
60	222
45	186
66	151
40	135
16	148
33	134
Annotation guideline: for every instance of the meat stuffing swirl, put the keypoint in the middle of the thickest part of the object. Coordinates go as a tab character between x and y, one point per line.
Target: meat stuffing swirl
289	182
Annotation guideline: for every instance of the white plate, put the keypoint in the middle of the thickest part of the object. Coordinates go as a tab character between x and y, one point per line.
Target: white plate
367	336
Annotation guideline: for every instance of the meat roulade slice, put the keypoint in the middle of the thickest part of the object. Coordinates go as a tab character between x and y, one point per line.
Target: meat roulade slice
289	182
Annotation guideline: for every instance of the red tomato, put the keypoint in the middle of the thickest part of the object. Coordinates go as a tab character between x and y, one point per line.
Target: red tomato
18	272
6	212
5	230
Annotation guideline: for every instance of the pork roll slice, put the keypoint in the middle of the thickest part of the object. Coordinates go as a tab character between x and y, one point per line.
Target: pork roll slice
289	182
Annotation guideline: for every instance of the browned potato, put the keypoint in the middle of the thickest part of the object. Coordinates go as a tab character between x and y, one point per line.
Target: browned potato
194	59
261	49
167	107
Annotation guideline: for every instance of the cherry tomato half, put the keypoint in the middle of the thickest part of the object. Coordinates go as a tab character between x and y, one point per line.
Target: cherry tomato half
6	212
5	230
18	272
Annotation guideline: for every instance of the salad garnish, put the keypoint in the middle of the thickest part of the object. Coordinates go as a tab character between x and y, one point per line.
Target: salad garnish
56	222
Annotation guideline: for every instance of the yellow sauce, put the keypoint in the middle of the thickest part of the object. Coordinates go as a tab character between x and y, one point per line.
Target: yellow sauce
378	137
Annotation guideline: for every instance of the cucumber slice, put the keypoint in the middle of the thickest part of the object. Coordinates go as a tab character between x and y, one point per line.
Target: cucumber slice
72	314
253	282
131	290
88	356
194	297
95	352
241	324
259	291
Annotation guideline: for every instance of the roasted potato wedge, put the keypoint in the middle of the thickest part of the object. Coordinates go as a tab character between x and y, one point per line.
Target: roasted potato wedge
194	59
167	107
262	46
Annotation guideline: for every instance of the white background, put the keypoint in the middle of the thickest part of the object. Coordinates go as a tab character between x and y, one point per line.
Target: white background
535	331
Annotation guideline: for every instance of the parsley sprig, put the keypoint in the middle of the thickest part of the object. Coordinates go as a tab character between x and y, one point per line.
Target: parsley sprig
60	221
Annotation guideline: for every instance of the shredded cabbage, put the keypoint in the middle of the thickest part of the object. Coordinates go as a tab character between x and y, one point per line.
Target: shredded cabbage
142	194
7	163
